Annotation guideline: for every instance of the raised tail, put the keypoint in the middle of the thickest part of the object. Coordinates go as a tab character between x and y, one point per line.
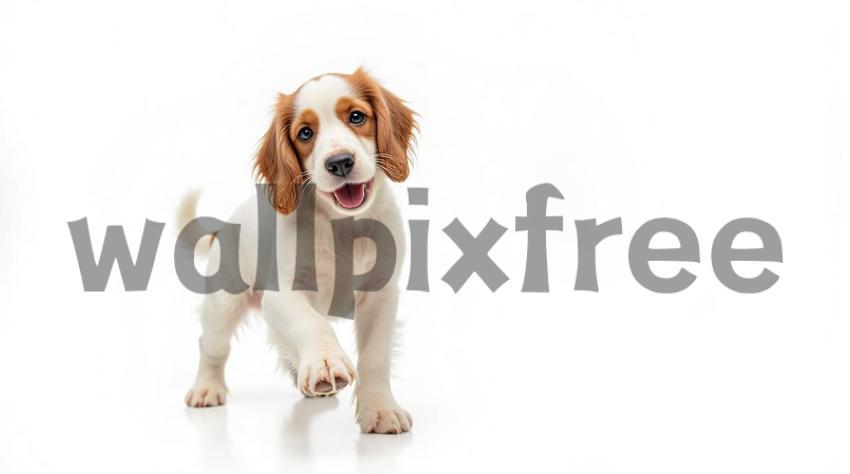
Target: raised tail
186	212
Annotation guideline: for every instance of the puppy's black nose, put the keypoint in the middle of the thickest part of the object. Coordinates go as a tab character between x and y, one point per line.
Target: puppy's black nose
340	165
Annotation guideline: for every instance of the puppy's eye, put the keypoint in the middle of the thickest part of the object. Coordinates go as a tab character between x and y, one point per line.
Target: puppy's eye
305	133
356	117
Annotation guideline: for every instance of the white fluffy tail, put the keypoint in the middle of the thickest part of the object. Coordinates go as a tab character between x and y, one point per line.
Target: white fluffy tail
186	212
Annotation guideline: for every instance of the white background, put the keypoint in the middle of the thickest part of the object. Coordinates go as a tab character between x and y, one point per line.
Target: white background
700	111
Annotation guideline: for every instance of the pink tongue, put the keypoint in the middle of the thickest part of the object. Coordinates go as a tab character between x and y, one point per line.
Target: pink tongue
351	195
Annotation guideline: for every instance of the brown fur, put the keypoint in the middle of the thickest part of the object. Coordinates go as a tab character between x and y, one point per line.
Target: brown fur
277	160
346	105
394	128
307	118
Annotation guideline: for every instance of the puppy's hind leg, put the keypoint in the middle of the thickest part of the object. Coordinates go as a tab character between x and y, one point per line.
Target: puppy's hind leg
220	316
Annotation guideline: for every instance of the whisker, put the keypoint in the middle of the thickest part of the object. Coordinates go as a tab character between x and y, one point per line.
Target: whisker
307	177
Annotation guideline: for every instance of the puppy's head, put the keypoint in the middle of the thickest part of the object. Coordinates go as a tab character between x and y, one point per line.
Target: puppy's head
338	131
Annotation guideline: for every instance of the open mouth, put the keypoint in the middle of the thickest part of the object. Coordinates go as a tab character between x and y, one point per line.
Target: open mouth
352	195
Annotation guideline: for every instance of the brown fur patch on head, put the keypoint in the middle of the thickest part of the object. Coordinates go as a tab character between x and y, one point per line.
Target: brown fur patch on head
277	161
307	118
346	105
393	121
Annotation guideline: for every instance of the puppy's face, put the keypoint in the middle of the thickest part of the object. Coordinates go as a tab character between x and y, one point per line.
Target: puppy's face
334	136
338	132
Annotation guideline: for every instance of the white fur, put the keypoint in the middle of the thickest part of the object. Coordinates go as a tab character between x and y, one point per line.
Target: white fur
297	324
320	95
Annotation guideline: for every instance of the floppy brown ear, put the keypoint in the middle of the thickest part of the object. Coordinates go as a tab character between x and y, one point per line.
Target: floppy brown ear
277	161
394	133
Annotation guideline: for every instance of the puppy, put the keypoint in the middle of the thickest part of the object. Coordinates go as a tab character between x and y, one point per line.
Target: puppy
349	137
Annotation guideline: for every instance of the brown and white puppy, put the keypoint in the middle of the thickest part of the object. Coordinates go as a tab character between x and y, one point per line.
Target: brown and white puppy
349	137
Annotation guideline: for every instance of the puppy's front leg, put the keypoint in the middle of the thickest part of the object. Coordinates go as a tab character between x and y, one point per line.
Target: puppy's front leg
322	366
377	410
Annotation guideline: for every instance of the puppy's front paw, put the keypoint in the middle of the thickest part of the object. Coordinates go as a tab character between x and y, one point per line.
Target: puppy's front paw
206	394
387	419
325	376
